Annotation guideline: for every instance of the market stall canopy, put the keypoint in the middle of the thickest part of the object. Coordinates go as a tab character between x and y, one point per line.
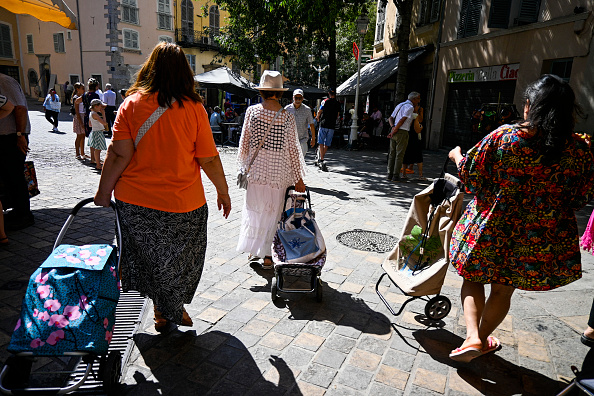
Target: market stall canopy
309	91
45	10
377	71
224	79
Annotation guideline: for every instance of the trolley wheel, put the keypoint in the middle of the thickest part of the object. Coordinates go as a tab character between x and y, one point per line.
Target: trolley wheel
111	371
274	290
18	372
438	307
319	290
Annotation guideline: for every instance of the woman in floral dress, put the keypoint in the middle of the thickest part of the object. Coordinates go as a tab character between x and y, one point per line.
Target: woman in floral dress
520	229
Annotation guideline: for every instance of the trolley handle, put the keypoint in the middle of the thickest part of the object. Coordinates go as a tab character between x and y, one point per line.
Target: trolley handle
292	188
73	214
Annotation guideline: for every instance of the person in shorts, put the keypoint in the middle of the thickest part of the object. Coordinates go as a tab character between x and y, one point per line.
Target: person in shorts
329	111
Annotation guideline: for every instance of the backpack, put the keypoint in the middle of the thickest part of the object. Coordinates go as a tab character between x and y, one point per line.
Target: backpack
72	109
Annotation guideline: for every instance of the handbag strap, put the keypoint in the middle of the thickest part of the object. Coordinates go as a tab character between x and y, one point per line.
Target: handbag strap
150	121
263	139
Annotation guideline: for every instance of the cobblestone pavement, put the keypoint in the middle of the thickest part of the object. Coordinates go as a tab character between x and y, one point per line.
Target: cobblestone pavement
349	344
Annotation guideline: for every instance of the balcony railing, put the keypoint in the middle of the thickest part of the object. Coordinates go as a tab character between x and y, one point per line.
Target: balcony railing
195	38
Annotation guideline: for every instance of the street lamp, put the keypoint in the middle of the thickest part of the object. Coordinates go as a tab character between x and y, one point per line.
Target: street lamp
362	23
318	69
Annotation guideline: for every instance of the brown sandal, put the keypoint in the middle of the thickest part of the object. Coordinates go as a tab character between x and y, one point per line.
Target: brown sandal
160	322
186	320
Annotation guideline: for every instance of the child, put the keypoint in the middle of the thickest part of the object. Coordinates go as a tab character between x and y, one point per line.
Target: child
97	138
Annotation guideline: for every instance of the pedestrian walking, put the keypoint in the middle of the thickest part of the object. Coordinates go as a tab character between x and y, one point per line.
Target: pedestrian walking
14	146
414	149
270	156
6	107
400	121
163	212
327	115
378	121
68	92
52	106
520	231
78	125
303	120
587	243
109	97
88	97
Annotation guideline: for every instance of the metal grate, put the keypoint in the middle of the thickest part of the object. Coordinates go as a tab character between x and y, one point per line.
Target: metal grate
369	241
129	313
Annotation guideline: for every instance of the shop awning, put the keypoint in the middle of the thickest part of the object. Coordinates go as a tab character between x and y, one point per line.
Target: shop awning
377	71
45	10
224	79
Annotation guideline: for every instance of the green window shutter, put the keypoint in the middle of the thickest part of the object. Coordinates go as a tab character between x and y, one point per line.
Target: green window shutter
435	9
529	10
470	18
499	14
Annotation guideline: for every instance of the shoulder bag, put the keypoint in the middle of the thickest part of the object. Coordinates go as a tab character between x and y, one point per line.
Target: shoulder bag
242	176
149	122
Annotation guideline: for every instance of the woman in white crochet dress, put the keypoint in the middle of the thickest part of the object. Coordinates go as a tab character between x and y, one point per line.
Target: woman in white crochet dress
278	164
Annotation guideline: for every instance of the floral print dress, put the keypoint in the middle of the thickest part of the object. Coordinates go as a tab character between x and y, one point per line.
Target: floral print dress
520	228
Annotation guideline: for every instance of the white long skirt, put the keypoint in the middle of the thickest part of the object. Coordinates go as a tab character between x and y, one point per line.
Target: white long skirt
262	209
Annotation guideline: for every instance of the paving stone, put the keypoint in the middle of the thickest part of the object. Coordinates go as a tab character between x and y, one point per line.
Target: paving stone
378	389
341	390
354	377
460	385
290	327
419	391
430	380
282	376
297	357
319	375
309	341
365	360
265	388
276	340
257	327
226	356
255	304
536	352
240	314
302	388
212	315
340	343
211	341
223	388
400	360
331	358
392	377
405	345
372	344
322	329
207	374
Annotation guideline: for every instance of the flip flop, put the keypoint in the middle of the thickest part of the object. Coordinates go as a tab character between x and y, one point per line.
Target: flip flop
494	345
465	355
587	341
5	242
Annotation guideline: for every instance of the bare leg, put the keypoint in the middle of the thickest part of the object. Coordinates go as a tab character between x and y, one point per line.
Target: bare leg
323	149
97	159
92	150
473	303
2	232
80	144
495	310
420	167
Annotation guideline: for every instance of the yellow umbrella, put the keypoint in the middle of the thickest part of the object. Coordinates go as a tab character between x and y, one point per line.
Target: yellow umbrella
44	10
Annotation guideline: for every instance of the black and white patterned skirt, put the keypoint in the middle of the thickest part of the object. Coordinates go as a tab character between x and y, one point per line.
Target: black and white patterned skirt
163	255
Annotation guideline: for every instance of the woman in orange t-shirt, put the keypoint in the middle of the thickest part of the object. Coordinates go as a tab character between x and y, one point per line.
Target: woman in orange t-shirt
158	187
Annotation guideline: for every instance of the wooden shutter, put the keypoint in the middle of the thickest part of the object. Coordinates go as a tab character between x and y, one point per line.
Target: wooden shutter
470	18
422	12
435	10
528	11
5	42
56	43
499	14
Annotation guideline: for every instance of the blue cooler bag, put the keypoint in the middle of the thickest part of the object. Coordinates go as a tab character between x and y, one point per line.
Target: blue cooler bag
70	303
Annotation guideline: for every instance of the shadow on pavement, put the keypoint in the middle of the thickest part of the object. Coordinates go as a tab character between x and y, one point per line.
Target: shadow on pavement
338	307
213	363
489	374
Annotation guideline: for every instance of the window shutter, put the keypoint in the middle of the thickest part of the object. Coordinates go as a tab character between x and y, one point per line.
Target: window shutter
56	43
134	36
435	10
499	14
161	6
30	48
422	12
470	17
5	43
127	39
529	11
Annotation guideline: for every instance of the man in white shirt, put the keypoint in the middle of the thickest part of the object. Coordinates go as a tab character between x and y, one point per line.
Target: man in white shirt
303	119
109	98
400	121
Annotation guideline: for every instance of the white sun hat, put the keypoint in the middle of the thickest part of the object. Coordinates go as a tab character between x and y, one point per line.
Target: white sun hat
271	81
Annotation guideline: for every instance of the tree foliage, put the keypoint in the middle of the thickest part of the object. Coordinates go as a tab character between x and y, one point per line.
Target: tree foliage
262	30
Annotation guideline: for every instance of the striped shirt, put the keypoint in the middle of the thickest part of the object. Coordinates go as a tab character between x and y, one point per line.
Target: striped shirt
303	119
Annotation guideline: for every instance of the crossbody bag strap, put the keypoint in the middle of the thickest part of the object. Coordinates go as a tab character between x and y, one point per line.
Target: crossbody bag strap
263	139
149	122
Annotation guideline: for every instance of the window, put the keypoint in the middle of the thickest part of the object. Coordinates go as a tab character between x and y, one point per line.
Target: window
213	20
258	72
562	68
69	35
187	19
30	48
529	10
499	14
470	17
380	23
74	78
429	11
131	39
235	68
130	11
59	42
164	15
99	79
167	39
5	41
192	62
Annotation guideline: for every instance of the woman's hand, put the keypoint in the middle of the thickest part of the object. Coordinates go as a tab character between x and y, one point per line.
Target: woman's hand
456	155
224	202
300	186
102	199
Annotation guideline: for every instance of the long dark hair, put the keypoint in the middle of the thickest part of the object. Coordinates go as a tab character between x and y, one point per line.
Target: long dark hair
167	73
552	111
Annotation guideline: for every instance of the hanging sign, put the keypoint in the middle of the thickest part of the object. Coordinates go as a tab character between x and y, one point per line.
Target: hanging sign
356	50
483	74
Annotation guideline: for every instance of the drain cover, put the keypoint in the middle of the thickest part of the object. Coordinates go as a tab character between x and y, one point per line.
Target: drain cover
369	241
